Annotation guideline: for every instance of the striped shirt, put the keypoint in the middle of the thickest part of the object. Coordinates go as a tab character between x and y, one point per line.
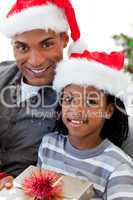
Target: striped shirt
106	166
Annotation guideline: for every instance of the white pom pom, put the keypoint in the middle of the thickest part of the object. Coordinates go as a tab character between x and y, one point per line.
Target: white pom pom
77	47
128	100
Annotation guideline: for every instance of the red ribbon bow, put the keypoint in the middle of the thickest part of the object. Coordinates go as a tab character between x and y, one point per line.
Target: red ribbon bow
114	59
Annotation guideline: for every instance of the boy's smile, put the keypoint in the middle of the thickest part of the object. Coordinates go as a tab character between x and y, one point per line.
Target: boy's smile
80	113
76	120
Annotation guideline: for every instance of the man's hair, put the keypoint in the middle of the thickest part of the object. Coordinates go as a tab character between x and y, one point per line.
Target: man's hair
115	129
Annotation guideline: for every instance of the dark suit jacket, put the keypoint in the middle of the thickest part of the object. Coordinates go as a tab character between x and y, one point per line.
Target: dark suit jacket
22	125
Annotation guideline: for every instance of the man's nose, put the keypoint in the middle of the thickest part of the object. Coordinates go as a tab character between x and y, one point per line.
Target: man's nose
36	58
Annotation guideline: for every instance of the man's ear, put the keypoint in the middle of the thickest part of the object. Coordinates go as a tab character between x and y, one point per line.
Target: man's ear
12	41
109	111
65	38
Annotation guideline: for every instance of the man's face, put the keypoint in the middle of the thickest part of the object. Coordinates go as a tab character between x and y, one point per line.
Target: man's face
37	53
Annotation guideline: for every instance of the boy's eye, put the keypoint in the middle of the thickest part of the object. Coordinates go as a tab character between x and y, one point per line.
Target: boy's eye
67	99
91	102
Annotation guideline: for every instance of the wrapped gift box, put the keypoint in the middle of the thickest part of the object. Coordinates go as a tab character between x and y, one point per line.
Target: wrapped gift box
73	188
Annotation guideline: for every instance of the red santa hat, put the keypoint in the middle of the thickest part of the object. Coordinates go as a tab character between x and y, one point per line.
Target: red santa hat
101	70
25	15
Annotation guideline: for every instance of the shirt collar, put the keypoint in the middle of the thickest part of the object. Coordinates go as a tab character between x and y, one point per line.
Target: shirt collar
28	91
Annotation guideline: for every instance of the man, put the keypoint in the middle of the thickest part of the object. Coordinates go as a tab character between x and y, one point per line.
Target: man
38	29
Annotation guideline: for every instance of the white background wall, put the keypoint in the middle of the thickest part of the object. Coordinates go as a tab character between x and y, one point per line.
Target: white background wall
98	19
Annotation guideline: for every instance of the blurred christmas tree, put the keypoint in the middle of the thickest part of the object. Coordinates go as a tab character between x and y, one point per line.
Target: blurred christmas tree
126	42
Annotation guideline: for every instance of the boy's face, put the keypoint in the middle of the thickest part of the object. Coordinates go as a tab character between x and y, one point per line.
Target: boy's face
84	110
37	53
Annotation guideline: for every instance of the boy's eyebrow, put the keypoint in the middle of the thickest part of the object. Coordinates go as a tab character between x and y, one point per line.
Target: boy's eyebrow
93	94
71	94
67	93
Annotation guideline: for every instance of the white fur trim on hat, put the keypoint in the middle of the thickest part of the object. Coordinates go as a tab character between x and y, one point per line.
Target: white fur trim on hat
79	46
90	73
39	17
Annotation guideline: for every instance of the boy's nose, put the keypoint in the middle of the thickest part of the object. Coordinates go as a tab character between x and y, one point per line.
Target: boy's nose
75	111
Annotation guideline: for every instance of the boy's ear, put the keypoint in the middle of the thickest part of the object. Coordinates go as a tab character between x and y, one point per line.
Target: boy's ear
109	111
59	114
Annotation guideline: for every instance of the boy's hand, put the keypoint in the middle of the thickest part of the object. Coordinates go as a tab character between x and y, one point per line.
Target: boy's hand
6	182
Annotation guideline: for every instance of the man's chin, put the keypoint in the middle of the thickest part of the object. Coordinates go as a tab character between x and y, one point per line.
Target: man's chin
39	82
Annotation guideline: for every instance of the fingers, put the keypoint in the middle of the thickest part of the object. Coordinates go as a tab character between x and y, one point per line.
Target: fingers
6	182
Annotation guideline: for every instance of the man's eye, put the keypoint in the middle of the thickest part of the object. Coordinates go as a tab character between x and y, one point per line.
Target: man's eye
21	48
47	45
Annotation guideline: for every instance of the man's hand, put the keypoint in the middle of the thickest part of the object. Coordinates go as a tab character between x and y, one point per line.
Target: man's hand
6	182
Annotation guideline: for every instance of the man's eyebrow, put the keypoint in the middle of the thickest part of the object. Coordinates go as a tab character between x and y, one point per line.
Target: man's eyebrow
19	42
47	40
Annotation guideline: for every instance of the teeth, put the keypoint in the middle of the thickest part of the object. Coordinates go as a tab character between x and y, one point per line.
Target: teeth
76	122
38	71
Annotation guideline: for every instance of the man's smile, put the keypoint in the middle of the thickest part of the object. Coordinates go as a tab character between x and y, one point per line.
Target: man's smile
39	71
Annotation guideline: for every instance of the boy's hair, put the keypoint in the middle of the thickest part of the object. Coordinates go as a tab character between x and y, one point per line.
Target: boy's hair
115	129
